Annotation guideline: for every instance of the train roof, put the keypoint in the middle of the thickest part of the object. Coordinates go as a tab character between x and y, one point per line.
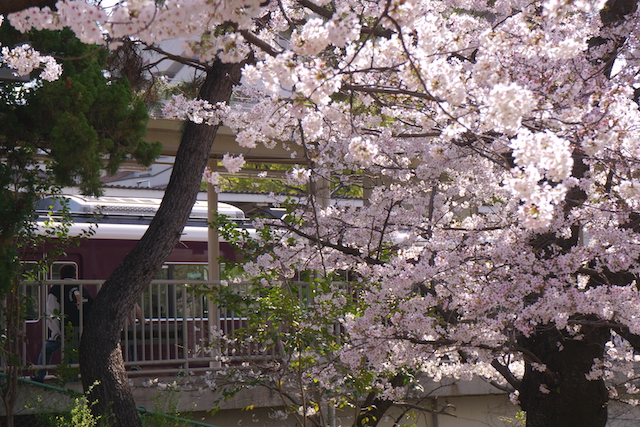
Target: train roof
127	218
110	206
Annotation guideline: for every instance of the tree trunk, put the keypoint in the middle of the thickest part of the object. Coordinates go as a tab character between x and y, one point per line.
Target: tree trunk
9	386
101	363
10	6
374	408
571	400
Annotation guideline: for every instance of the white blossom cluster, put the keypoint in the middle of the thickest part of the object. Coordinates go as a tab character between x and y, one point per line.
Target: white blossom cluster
212	178
298	175
317	34
362	150
24	59
83	18
507	106
540	156
233	164
195	110
142	19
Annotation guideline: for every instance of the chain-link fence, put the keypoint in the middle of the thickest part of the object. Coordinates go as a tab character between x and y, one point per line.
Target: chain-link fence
44	405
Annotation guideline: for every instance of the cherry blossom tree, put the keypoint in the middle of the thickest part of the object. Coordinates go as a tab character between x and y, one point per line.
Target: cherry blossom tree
496	143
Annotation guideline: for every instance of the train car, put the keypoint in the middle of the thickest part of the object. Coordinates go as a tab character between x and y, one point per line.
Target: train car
118	224
173	320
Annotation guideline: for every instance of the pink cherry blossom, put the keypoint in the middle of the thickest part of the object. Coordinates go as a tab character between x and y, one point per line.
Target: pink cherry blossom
495	152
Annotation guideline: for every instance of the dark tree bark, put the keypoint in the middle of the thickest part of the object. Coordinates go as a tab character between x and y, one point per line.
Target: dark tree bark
374	408
101	362
10	6
561	395
571	399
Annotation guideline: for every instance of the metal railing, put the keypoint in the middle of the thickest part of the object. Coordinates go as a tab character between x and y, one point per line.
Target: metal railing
174	327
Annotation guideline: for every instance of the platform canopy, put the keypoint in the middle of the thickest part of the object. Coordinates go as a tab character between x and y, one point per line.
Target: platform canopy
169	133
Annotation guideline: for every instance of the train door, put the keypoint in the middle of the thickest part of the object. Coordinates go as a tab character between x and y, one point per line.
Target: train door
35	296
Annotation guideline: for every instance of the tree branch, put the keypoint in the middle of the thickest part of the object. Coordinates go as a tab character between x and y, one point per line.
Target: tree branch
344	249
254	40
506	374
419	135
319	10
389	91
186	61
431	411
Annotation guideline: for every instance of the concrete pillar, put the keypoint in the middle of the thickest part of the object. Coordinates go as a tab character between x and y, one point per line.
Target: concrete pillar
321	189
367	189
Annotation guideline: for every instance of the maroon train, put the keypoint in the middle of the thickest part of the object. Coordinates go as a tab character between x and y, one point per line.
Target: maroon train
120	224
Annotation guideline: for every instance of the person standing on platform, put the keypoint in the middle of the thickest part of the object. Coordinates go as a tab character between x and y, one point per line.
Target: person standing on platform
66	305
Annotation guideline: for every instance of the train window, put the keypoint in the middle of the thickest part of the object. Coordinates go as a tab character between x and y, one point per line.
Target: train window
55	270
183	272
34	298
176	300
31	292
170	301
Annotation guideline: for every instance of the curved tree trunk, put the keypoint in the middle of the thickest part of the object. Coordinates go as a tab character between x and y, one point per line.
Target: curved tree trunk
101	362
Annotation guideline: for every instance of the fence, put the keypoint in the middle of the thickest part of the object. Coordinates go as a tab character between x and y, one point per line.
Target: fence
174	327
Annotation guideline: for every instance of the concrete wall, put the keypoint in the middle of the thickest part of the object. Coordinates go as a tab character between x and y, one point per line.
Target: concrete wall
469	404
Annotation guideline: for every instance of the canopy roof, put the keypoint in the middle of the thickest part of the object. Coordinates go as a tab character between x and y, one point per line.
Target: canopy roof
169	132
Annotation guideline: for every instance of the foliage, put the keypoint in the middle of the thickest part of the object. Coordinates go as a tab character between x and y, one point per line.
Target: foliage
80	415
60	133
84	122
519	419
17	299
272	178
17	198
54	134
260	178
168	399
285	313
77	412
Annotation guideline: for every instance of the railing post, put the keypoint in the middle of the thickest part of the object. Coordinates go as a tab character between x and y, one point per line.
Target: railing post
213	251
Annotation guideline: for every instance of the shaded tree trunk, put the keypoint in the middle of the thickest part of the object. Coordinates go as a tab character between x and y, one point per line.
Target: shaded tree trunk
374	408
10	6
101	362
12	321
568	399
